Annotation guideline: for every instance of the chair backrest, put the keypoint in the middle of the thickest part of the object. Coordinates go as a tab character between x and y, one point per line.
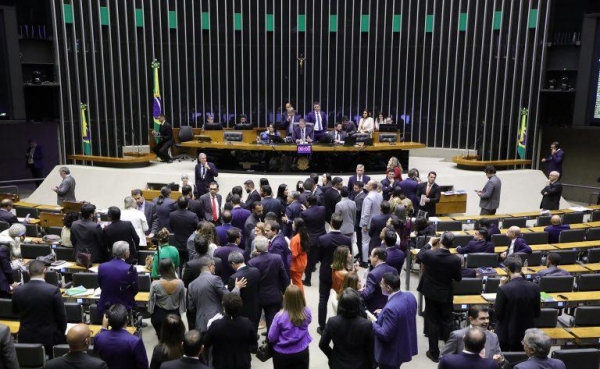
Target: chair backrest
6	311
509	222
186	133
548	318
482	259
144	282
586	316
64	253
588	358
51	277
571	218
557	283
87	280
588	282
595	216
54	230
4	226
468	286
515	357
74	312
593	234
31	251
594	255
62	349
95	317
535	238
567	256
30	355
451	225
533	259
32	230
500	240
572	235
142	255
461	239
22	211
491	285
543	220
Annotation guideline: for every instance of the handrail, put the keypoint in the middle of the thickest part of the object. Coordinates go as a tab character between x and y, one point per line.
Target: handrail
15	188
23	180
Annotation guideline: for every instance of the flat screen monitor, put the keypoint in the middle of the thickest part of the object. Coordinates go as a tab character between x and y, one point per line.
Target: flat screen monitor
233	136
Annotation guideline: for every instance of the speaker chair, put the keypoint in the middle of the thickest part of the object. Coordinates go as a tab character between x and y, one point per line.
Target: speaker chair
186	134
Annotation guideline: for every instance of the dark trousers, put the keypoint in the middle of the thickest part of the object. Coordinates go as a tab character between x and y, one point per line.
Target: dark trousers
358	232
313	255
299	360
270	311
158	315
324	291
191	318
36	173
162	149
389	366
184	257
487	212
439	323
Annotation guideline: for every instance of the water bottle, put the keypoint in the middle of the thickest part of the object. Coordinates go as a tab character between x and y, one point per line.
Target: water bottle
526	264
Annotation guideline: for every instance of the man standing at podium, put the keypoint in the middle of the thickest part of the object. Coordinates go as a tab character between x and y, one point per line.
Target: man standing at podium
319	118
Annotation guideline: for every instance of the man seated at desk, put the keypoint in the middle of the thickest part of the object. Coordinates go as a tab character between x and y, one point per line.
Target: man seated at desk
302	133
264	136
517	243
338	135
552	269
479	243
555	228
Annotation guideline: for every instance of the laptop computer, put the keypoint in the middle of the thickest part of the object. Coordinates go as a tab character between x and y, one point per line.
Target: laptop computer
350	141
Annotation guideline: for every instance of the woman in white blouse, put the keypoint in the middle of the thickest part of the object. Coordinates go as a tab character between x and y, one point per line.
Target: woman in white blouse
136	217
366	123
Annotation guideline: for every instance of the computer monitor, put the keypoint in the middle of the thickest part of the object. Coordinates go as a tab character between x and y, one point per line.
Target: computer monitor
233	136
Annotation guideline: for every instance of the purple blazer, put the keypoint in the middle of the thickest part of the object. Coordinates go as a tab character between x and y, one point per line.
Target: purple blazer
312	118
371	294
280	247
466	360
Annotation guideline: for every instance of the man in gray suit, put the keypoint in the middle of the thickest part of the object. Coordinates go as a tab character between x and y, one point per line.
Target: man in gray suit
347	209
537	346
206	293
490	195
66	190
149	210
479	316
371	207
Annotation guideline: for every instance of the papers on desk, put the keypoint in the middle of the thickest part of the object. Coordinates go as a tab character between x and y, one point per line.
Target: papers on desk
491	297
457	192
545	297
81	291
580	208
139	268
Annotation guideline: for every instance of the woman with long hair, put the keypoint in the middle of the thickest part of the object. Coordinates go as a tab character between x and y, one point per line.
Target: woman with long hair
209	232
282	194
163	251
399	199
300	186
167	295
259	230
164	206
300	245
340	266
289	331
394	164
169	347
351	280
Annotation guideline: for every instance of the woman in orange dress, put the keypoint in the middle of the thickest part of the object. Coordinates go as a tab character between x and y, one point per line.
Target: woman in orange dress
300	244
340	266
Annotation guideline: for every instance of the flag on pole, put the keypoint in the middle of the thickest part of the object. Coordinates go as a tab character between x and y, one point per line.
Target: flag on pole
85	131
157	102
522	137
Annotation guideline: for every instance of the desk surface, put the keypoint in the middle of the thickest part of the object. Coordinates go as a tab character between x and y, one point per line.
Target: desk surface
594	267
470	300
292	148
577	296
140	297
477	217
577	245
571	268
14	325
558	333
585	332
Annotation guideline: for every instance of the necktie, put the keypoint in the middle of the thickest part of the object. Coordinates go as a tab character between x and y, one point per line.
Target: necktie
302	135
318	128
428	188
337	136
215	212
203	172
269	245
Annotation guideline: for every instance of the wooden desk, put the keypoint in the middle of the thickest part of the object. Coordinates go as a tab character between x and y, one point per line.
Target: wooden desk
594	267
49	208
51	219
72	206
457	233
538	247
23	204
558	336
526	214
14	325
463	302
593	224
150	195
463	218
571	268
378	146
451	204
574	298
577	245
593	207
141	297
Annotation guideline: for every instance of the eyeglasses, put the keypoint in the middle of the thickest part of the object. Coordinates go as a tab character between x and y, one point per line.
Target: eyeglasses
213	189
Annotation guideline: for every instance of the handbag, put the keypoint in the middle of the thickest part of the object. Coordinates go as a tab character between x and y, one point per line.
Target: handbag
265	351
83	259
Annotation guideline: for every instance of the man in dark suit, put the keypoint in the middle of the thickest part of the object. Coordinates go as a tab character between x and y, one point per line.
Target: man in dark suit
327	245
537	344
211	203
517	306
41	310
149	210
552	192
165	134
292	211
253	194
193	205
239	214
555	228
205	173
78	338
6	214
517	243
120	230
474	341
270	204
319	119
479	243
66	190
273	279
552	269
35	161
249	293
338	135
441	268
388	184
371	292
8	353
314	218
429	194
359	176
192	348
117	280
256	216
278	245
331	196
556	158
234	237
224	227
378	223
288	122
86	235
302	133
183	223
395	256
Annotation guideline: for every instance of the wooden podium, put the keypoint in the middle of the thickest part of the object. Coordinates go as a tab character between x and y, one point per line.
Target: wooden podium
452	204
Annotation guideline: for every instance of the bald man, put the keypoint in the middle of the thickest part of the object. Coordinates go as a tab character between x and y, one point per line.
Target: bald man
78	338
555	228
517	243
552	192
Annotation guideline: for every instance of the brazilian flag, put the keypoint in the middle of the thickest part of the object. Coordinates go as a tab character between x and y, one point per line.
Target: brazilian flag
522	137
157	102
85	131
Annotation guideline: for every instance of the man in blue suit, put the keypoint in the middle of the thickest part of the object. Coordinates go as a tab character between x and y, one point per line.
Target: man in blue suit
223	228
239	215
359	176
555	228
319	118
327	245
234	238
302	133
555	160
517	243
278	245
371	292
35	161
474	341
292	211
205	173
314	218
117	279
479	243
395	327
378	223
537	347
183	223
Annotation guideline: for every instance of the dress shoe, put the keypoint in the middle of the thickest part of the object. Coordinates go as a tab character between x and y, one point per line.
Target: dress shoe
363	264
306	283
319	331
435	359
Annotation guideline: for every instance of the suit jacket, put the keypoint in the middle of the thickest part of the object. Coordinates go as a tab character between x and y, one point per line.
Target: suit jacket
292	211
120	349
377	224
192	269
314	218
434	197
163	213
342	135
118	281
205	298
410	187
238	218
555	161
327	245
352	179
371	293
551	201
271	204
231	340
552	271
517	306
41	313
183	223
441	267
466	360
520	246
203	183
353	343
8	217
38	157
537	363
347	209
371	207
66	190
206	202
252	198
280	247
76	360
387	188
395	258
183	363
490	194
312	118
121	230
223	253
297	135
273	278
196	207
222	233
476	246
554	232
8	355
455	344
86	236
151	217
396	330
249	293
331	197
